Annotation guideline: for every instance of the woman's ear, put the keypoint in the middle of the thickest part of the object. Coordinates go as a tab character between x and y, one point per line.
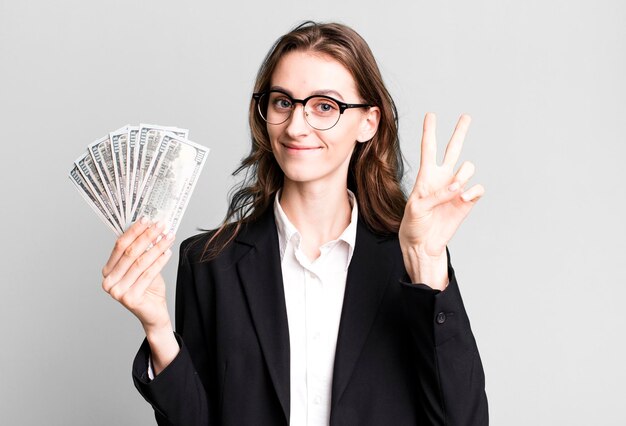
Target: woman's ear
369	124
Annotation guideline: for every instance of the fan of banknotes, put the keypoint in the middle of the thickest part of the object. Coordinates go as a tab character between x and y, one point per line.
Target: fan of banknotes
137	171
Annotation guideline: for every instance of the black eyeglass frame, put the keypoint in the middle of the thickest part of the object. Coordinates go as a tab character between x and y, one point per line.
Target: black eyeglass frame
342	105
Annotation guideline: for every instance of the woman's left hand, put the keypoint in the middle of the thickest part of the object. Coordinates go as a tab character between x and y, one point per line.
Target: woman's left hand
437	205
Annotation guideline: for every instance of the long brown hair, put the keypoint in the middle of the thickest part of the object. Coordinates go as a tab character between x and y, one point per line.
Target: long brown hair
376	167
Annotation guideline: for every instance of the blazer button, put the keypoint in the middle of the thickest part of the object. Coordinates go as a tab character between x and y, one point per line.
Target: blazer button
441	318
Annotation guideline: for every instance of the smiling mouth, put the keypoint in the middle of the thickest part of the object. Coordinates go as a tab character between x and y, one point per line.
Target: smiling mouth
301	148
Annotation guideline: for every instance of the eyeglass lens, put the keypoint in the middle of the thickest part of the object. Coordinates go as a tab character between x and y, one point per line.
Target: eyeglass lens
320	112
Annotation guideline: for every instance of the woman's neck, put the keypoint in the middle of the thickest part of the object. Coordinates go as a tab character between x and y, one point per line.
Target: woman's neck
319	212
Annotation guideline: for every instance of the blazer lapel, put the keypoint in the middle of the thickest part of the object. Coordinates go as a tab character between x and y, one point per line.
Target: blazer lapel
368	276
261	276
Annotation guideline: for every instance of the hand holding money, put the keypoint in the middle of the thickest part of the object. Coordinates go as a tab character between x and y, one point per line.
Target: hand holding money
132	276
148	173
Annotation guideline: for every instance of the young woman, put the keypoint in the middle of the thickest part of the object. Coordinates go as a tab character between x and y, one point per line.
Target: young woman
327	297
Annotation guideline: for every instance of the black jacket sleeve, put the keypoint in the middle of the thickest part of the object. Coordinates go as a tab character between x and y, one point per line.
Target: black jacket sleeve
451	374
177	393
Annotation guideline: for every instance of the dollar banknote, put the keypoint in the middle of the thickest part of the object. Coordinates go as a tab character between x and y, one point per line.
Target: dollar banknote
173	181
150	137
90	175
92	200
102	156
131	156
119	142
136	171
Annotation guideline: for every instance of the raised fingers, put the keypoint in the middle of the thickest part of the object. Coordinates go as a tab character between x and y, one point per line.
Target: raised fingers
429	141
463	175
474	193
465	172
453	150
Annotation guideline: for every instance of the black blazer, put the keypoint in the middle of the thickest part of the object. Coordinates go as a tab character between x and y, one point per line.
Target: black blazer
405	353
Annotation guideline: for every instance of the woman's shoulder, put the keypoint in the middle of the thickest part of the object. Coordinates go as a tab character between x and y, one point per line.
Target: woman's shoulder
208	244
218	243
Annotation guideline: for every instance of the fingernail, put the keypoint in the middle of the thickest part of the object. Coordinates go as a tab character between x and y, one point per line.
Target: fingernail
453	187
465	196
168	252
160	224
143	220
169	236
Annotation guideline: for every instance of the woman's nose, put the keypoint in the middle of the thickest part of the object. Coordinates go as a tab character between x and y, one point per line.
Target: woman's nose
297	124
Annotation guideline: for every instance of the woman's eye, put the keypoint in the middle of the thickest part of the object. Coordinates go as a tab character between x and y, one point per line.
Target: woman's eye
282	103
325	106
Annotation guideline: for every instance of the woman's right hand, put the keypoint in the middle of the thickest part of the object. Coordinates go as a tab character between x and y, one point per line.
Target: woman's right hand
132	275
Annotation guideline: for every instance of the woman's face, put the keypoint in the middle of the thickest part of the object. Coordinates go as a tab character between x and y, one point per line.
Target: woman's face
304	153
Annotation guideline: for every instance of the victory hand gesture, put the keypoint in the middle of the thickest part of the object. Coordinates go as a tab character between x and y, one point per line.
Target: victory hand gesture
437	205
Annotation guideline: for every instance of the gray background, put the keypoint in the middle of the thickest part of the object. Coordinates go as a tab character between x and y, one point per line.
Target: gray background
540	260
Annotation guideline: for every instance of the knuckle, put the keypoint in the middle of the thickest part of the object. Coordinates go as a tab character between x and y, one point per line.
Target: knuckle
414	207
106	284
128	300
116	293
131	251
154	233
141	263
120	243
421	189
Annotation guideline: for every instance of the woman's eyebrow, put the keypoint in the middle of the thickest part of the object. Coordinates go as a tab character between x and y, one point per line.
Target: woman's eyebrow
281	89
328	92
333	93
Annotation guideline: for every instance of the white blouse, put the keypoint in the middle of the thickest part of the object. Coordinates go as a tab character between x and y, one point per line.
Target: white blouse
314	298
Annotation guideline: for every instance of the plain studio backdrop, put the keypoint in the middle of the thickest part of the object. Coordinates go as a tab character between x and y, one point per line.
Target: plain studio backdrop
540	260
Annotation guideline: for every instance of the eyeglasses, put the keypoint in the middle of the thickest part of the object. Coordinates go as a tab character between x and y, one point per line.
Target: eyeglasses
320	111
